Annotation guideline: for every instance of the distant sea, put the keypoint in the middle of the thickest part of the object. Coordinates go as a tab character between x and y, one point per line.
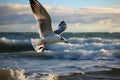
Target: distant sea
87	56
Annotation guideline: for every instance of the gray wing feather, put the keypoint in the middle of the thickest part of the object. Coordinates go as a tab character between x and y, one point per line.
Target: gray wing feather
43	19
61	28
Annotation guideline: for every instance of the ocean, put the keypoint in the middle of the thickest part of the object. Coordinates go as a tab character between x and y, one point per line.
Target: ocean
86	56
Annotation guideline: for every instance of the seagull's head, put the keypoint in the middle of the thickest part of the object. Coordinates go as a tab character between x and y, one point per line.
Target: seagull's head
61	39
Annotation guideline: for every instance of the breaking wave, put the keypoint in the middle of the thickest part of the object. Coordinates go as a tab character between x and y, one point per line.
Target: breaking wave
10	74
87	56
74	44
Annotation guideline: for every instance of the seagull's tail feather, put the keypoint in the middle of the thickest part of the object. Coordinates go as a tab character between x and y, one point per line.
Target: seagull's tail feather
37	46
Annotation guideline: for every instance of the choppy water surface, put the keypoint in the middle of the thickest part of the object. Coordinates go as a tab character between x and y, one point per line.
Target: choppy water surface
87	56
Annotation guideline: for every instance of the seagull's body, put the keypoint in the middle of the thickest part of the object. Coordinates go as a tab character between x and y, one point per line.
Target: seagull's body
44	27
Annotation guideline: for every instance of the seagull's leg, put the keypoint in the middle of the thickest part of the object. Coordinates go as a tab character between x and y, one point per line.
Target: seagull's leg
43	47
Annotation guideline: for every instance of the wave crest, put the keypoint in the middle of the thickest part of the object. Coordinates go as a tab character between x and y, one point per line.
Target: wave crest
74	44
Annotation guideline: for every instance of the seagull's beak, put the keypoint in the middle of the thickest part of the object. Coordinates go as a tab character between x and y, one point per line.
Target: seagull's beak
66	41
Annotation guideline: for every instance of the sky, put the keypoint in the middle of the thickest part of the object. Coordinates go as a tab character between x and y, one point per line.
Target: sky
80	15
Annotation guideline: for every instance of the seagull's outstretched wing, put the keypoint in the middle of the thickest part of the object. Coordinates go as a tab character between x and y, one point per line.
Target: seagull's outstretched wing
61	28
43	18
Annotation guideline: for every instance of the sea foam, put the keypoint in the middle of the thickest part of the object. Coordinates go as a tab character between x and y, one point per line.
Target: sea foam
75	44
20	74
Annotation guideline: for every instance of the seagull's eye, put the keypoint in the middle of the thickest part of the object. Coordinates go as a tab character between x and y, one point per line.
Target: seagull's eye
61	39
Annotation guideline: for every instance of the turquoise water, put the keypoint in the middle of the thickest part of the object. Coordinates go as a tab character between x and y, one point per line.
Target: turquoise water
87	56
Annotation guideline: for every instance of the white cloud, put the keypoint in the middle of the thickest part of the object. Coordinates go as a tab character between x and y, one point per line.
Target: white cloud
91	28
85	15
31	27
108	21
96	10
10	9
19	13
82	15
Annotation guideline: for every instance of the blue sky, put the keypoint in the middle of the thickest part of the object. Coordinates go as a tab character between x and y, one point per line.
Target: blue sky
70	3
80	15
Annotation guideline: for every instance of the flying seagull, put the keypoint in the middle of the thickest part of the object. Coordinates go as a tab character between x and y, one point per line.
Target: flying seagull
44	28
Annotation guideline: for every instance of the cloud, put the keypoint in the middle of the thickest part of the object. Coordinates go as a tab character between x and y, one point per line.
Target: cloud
116	25
19	13
85	15
7	9
15	13
77	27
108	21
31	27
